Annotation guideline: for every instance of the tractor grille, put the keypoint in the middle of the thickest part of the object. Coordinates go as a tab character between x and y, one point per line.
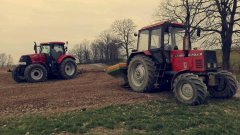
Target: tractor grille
199	64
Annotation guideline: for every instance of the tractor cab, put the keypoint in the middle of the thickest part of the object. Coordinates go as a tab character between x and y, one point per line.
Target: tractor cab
52	49
164	35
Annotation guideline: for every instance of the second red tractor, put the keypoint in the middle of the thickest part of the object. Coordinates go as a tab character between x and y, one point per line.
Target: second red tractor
50	60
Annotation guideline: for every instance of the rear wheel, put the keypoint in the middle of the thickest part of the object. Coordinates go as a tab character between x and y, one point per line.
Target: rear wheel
227	87
190	89
16	75
142	74
68	69
35	73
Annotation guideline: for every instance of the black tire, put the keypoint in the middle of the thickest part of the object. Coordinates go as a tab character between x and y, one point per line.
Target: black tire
16	75
35	73
68	68
189	89
144	78
228	88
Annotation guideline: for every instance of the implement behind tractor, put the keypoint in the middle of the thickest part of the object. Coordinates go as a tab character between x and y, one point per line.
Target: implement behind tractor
191	74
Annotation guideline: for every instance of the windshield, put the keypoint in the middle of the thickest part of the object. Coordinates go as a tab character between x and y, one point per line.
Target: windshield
45	49
174	37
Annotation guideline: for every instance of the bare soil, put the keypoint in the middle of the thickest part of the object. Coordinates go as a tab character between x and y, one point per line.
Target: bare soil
91	89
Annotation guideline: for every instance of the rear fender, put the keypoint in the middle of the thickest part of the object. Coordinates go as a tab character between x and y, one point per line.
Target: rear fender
177	74
61	58
147	53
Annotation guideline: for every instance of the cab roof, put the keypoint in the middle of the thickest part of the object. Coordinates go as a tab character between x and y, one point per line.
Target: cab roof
160	24
51	43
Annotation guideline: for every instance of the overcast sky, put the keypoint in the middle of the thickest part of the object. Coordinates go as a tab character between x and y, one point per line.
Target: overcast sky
25	21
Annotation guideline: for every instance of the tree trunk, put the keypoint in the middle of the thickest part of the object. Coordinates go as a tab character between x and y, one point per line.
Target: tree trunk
226	51
226	58
127	52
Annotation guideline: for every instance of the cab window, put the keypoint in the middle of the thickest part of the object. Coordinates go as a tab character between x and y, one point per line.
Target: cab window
143	41
156	39
59	48
45	49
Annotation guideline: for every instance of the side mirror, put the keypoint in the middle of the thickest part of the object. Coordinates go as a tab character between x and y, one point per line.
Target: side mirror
198	32
66	48
35	47
135	34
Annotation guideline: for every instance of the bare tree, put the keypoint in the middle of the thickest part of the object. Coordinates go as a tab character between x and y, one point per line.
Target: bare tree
3	59
124	30
223	19
219	19
106	49
77	52
86	53
9	60
187	12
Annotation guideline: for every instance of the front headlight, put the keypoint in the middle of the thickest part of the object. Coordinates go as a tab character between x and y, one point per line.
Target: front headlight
215	65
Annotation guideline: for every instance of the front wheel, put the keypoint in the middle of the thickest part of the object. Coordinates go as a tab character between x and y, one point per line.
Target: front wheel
227	87
16	74
68	69
190	89
35	73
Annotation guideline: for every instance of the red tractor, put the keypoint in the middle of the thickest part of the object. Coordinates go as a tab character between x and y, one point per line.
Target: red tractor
51	60
158	60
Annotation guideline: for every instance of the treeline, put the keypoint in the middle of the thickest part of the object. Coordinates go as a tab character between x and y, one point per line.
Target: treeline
111	46
5	60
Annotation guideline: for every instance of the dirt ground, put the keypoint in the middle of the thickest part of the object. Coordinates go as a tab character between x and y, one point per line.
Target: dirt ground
92	89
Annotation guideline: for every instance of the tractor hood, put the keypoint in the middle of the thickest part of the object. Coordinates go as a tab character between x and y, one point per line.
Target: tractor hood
32	58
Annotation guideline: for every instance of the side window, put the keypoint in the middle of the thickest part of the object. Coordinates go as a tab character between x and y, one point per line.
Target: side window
45	49
58	48
143	41
156	39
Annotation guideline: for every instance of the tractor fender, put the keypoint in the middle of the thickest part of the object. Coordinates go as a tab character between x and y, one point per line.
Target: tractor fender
147	53
61	58
177	74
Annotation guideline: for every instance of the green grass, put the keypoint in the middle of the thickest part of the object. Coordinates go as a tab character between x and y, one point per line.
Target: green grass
155	117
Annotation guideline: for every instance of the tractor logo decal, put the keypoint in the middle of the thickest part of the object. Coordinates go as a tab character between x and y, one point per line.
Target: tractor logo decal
195	54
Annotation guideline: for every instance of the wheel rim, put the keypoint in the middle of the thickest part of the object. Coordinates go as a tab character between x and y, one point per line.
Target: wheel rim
37	74
138	74
69	69
186	91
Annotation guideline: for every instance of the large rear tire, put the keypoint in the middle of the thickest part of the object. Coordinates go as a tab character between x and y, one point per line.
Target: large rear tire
189	89
68	68
227	88
142	74
35	73
16	75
